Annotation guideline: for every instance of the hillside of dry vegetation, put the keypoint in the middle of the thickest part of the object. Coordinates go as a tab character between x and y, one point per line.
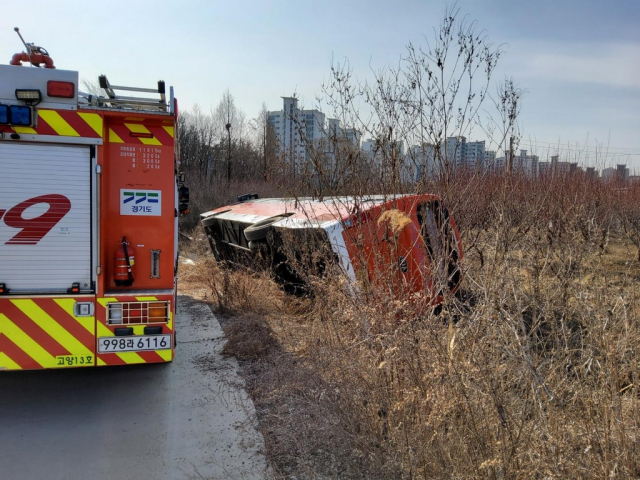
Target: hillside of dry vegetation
532	372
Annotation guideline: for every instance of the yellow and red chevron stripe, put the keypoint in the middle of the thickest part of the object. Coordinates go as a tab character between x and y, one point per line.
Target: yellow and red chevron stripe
128	358
153	134
37	333
66	123
86	124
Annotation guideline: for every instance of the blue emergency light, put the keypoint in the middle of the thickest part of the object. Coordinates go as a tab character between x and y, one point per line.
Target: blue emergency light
18	115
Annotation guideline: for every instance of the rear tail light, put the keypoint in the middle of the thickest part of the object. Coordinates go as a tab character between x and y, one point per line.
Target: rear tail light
114	313
158	310
61	89
135	316
135	313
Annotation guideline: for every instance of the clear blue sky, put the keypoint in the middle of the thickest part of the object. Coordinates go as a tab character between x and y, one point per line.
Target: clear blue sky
578	60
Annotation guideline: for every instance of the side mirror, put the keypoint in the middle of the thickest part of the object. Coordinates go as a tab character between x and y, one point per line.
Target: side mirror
183	199
183	194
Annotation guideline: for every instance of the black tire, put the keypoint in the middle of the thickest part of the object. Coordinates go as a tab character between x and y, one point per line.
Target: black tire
261	229
255	245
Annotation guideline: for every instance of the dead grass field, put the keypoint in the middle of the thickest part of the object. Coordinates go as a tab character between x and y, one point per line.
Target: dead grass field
532	373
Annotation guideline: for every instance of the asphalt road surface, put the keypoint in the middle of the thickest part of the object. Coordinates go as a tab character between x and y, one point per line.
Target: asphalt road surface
190	419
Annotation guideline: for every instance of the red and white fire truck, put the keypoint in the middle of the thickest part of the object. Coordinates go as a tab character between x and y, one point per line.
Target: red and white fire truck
89	205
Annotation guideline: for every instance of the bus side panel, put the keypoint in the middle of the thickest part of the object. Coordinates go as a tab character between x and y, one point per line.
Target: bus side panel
47	332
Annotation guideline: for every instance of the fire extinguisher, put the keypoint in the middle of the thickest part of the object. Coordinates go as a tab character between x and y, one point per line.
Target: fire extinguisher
124	271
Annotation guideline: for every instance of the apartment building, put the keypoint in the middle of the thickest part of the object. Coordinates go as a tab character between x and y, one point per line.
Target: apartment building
461	153
523	163
300	131
296	130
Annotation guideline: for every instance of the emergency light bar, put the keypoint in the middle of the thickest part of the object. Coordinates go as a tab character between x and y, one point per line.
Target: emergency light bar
18	115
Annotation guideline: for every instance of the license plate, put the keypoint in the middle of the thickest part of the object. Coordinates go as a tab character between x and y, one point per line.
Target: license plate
134	343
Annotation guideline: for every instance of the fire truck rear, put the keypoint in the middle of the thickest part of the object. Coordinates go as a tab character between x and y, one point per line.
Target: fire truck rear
89	205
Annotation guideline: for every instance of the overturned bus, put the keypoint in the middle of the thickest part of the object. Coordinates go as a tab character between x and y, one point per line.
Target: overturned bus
409	244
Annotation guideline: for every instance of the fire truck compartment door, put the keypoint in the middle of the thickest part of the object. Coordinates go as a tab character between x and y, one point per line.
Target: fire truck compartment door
45	217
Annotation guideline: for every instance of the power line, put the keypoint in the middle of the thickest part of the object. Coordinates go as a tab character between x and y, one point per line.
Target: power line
574	146
575	143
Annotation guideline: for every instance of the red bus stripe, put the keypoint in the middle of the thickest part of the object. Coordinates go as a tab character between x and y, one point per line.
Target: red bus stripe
33	330
16	354
67	322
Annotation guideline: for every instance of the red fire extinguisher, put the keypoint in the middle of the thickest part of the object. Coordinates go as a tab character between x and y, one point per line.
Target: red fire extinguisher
124	268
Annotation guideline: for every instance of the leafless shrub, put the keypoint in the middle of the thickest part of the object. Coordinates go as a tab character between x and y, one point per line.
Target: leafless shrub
530	373
535	376
629	214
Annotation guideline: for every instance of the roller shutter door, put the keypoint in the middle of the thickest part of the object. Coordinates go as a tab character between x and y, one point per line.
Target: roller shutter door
45	224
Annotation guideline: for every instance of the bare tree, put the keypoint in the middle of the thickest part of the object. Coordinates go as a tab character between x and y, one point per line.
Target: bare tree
264	140
436	92
92	87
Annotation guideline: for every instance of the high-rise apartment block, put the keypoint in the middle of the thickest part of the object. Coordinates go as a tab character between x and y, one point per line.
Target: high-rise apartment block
523	164
461	153
298	131
454	152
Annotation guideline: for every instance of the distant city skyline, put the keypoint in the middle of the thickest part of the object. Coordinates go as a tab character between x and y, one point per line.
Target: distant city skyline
296	130
578	61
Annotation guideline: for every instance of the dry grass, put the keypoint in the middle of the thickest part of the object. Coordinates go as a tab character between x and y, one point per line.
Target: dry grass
533	375
397	220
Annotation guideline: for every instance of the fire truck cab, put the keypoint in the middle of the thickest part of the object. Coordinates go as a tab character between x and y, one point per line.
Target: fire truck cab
88	222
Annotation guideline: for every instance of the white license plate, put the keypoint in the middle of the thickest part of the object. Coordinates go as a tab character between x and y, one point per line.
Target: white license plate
134	343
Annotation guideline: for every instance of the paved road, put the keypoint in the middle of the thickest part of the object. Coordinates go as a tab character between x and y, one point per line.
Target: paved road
186	420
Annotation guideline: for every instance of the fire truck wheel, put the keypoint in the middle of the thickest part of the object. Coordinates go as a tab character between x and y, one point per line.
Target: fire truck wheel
261	229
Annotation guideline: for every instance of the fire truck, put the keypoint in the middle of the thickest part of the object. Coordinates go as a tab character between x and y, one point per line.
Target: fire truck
90	196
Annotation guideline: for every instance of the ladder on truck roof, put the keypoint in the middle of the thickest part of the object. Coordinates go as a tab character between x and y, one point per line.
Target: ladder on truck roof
136	103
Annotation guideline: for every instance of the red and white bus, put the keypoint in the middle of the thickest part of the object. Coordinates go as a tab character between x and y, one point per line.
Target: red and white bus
408	244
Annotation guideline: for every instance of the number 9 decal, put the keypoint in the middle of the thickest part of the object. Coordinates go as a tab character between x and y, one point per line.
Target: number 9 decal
34	229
